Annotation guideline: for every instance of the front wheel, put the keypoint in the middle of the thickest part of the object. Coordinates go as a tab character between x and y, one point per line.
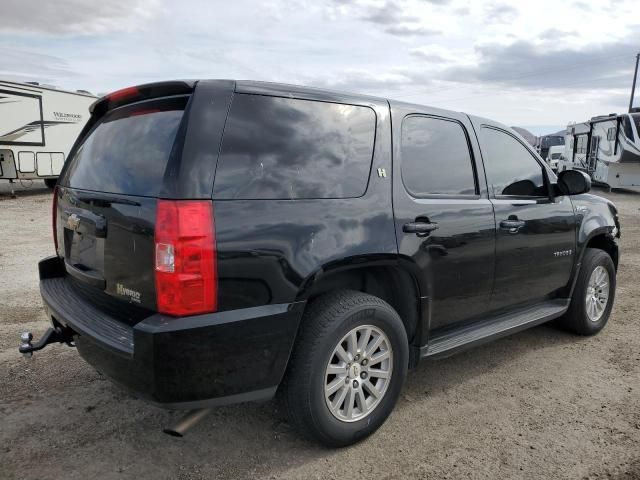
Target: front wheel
347	368
50	182
593	295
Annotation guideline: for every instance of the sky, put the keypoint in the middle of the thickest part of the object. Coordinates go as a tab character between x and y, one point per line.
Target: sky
538	64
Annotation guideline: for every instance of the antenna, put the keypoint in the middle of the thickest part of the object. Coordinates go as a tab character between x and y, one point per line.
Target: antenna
633	87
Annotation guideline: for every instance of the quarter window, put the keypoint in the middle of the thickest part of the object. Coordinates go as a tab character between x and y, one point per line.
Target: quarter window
283	148
435	157
511	169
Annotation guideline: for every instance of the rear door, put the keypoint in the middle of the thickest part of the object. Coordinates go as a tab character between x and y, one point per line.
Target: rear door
535	233
106	201
444	220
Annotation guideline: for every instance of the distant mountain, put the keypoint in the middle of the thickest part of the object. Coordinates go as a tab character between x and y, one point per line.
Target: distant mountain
559	132
531	138
526	134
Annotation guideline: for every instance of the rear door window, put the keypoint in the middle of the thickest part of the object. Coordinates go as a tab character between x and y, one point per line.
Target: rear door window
436	159
283	148
128	151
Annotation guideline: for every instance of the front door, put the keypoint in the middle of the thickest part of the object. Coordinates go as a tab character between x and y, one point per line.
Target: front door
444	220
535	232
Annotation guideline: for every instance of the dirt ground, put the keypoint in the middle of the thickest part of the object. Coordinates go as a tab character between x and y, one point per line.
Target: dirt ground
540	404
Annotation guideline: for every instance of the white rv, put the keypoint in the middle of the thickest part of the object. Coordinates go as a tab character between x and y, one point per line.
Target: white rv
38	126
607	148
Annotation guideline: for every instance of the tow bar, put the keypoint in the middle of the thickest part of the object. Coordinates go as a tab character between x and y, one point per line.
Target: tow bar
52	335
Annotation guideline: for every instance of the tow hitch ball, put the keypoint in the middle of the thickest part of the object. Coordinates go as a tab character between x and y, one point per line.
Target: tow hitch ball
52	335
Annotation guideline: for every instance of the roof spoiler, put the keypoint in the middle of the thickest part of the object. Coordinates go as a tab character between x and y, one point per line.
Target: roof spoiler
140	92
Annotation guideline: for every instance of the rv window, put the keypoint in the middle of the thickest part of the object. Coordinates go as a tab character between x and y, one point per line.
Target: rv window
581	144
626	123
611	133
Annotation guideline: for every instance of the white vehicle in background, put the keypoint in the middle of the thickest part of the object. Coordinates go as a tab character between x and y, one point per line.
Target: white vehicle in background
38	126
607	148
554	155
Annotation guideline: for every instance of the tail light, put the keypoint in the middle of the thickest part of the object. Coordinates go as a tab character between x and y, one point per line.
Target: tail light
185	263
54	218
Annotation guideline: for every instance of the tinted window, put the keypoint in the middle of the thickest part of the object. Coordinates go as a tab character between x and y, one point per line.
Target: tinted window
286	148
436	158
128	151
511	169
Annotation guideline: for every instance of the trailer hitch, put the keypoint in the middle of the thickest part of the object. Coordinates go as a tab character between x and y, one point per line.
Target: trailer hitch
52	335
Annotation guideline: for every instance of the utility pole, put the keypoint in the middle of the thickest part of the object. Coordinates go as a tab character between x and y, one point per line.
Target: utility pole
633	87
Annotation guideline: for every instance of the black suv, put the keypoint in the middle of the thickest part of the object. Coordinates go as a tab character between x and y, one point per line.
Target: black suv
218	241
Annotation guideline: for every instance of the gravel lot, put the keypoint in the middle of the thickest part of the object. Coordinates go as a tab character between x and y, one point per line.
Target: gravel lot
540	404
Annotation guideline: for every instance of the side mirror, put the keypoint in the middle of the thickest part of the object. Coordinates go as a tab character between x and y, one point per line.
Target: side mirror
573	182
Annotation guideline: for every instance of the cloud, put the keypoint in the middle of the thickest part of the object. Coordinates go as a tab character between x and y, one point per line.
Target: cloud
25	65
380	83
392	17
388	14
555	35
75	16
500	13
408	31
526	65
428	56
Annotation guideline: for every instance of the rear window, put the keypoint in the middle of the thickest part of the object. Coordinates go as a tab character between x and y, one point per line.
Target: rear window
283	148
129	149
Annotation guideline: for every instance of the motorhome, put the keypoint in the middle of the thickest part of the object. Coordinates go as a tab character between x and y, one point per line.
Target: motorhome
606	147
38	126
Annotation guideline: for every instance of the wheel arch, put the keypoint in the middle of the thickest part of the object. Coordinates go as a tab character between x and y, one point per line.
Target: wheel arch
603	240
383	276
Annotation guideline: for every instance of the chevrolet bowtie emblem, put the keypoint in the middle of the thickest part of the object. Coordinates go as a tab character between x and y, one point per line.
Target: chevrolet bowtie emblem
73	221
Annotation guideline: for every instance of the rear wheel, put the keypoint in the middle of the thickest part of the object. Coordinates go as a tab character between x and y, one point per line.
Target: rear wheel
593	295
50	182
347	368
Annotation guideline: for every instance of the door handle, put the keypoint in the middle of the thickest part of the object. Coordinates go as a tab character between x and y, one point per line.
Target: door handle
419	227
513	225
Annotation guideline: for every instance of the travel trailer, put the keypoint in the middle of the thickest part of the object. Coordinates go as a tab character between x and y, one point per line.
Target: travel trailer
38	126
606	147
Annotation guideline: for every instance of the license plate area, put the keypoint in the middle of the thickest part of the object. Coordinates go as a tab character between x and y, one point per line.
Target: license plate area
84	235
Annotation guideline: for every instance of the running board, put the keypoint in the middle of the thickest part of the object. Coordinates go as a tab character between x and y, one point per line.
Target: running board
448	343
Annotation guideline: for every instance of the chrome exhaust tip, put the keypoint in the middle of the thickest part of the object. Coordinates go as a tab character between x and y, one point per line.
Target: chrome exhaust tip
192	418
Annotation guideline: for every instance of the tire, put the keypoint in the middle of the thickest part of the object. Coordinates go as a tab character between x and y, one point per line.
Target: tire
325	324
580	318
50	182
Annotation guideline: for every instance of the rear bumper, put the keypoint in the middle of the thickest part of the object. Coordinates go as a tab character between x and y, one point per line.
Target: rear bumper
187	362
